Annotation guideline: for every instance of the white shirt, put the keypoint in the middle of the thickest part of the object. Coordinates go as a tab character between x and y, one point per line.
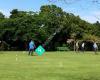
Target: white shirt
77	44
95	45
83	45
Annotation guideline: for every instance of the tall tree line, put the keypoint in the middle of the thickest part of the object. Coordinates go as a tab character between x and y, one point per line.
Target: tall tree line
21	26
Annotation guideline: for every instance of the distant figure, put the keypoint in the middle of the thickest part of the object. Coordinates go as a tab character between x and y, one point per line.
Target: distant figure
77	46
0	42
31	47
95	47
83	44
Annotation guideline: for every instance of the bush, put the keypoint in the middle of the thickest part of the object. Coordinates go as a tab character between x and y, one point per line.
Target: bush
63	49
4	46
98	46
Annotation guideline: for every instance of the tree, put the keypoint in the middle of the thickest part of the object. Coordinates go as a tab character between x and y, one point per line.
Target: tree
2	16
50	23
15	13
97	28
51	17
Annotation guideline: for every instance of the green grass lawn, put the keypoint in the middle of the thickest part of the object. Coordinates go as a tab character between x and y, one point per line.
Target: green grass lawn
49	66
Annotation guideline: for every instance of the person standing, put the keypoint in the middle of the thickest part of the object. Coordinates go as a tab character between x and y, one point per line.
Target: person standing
83	44
95	47
77	46
31	47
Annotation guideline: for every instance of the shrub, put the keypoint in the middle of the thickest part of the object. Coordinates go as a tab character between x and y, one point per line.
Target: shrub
63	49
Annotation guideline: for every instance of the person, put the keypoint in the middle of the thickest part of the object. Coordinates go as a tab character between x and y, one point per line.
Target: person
31	47
0	42
95	47
77	46
83	44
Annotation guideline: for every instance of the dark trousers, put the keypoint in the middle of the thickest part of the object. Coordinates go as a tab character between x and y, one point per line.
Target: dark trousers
95	50
31	51
83	49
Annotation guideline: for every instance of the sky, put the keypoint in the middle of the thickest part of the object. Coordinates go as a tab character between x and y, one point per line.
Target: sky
88	10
